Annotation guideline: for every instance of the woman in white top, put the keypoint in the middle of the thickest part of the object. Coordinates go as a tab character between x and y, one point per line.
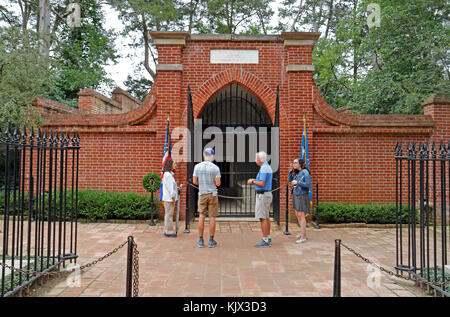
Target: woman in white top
170	197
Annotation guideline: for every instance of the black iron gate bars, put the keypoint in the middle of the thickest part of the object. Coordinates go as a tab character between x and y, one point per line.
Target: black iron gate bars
39	193
423	217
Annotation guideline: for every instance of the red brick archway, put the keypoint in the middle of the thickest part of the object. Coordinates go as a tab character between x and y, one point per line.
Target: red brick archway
234	75
119	149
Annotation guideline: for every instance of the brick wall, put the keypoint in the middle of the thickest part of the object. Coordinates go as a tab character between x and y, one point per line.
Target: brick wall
351	155
90	101
46	106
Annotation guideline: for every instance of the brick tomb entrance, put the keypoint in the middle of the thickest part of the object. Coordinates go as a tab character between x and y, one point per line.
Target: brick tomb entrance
233	81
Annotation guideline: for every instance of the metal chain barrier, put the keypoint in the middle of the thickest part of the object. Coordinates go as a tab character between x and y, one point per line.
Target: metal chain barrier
87	265
107	255
233	197
391	273
135	270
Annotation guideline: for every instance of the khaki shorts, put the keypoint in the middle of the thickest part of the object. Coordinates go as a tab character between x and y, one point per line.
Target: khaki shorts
262	206
208	205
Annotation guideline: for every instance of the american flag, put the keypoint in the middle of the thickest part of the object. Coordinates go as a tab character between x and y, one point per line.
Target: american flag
304	154
167	154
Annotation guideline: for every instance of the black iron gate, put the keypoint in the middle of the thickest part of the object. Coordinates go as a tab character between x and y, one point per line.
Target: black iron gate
245	127
423	176
39	204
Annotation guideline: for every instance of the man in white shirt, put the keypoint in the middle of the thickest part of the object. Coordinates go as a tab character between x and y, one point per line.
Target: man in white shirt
207	176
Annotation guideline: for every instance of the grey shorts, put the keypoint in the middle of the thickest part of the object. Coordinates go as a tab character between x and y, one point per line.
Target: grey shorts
301	202
262	205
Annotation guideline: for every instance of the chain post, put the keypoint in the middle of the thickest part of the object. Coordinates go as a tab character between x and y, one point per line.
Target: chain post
287	211
337	269
129	279
317	206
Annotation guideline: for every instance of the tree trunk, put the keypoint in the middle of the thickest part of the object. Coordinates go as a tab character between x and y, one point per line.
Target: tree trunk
319	18
355	48
25	10
192	9
44	26
299	13
330	17
147	49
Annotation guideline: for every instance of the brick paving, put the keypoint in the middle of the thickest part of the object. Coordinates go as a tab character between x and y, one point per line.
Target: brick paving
177	268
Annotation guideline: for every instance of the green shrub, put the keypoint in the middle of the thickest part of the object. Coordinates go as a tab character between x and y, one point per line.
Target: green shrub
93	205
367	213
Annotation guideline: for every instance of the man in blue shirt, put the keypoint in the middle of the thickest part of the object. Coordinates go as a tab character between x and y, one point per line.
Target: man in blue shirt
263	189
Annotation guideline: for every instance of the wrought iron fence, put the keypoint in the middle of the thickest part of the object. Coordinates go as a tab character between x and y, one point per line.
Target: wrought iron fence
39	203
423	179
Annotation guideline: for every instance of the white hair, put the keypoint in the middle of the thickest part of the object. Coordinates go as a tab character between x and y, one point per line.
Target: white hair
262	156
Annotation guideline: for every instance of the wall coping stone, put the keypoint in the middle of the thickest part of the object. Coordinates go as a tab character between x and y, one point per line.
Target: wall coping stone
299	68
45	103
300	35
169	67
180	38
234	37
96	94
120	91
437	99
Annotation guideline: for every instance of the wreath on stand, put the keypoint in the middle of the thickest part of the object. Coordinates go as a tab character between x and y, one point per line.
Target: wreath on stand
151	183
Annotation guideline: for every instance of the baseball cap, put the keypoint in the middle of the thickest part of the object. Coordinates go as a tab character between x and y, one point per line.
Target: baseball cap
209	151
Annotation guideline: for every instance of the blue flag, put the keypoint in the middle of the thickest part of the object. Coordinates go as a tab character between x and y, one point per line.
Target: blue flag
167	154
305	155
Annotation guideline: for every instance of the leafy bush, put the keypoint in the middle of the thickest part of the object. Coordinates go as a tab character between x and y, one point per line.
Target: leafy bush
93	205
366	213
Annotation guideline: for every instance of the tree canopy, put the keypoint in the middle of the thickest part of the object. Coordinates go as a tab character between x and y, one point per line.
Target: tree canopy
386	67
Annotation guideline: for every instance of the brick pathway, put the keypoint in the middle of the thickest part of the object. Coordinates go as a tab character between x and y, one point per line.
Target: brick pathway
176	267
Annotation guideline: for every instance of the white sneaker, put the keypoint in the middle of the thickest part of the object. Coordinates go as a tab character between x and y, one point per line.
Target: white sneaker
298	236
301	240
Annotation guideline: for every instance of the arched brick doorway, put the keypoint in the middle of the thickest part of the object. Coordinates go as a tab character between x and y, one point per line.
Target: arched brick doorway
235	122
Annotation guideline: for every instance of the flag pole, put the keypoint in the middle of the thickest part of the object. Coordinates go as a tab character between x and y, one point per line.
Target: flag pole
167	143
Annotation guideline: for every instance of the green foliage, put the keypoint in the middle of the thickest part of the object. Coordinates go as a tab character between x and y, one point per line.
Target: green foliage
139	87
238	16
82	54
106	205
388	69
24	75
437	276
151	182
94	205
366	213
18	276
408	57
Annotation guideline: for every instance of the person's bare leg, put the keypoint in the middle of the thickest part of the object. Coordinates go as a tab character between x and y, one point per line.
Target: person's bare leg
201	224
299	219
265	227
302	222
212	226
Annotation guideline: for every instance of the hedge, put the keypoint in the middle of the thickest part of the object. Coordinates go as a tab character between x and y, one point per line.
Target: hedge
330	212
93	205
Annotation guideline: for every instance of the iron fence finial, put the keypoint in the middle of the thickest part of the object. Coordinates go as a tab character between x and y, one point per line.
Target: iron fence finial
442	150
39	136
421	150
31	138
448	148
16	135
44	137
8	133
